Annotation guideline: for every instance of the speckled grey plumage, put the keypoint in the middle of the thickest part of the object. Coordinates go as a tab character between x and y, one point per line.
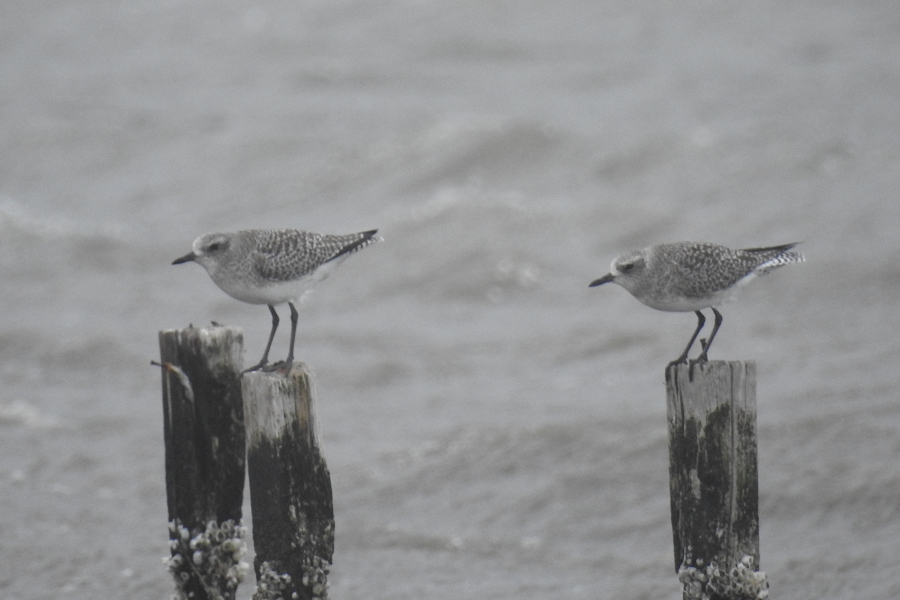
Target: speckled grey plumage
691	276
288	254
273	266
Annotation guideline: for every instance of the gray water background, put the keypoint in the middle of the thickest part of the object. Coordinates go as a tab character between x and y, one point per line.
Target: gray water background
493	427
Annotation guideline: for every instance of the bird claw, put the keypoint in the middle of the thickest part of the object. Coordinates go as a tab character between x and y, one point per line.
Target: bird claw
681	360
282	366
261	365
700	360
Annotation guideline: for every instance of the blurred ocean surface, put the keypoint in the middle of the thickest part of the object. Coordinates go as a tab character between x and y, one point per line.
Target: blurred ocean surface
493	427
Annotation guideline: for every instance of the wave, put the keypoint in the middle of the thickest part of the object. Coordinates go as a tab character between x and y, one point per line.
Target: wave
35	246
33	355
584	478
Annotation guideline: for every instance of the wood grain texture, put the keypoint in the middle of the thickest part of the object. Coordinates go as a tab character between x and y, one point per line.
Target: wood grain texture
290	486
203	425
713	462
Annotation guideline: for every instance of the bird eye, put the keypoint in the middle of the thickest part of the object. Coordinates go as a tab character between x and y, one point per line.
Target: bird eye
214	246
626	267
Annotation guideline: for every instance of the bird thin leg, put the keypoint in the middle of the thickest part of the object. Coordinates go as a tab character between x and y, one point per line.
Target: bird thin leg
290	356
265	356
702	357
683	358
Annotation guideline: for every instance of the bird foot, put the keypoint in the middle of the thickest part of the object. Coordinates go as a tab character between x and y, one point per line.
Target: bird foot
282	366
261	365
681	360
693	363
699	360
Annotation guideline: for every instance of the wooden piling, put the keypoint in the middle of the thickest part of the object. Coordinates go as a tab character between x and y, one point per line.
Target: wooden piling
204	443
713	479
290	487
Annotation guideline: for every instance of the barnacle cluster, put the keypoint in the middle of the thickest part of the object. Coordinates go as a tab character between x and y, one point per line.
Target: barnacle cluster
212	556
315	577
740	582
272	585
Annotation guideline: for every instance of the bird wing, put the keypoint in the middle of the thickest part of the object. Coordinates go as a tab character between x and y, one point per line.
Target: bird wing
773	257
771	250
286	255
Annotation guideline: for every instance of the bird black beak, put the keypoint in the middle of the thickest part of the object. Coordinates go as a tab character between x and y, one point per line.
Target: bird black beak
605	279
186	258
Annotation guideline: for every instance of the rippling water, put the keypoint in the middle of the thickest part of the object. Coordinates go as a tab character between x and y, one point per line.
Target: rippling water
493	427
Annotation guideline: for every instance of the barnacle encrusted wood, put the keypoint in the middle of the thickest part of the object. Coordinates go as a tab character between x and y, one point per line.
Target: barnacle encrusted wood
290	487
712	463
203	423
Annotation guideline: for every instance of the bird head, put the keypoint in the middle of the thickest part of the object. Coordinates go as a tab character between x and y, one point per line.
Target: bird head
207	251
625	270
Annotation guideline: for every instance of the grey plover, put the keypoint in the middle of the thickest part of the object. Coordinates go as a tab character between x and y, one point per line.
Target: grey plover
273	266
691	276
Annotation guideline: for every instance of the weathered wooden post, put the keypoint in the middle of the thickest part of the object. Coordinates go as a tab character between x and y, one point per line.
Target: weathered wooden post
713	479
290	487
204	439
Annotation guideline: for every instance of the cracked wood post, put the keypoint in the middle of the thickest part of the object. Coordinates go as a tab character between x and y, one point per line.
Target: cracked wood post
203	421
713	479
290	487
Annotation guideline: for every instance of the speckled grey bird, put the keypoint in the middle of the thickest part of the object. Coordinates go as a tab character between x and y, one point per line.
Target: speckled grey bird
273	266
691	276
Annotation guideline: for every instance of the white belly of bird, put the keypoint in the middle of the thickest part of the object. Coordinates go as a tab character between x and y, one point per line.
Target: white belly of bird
277	292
